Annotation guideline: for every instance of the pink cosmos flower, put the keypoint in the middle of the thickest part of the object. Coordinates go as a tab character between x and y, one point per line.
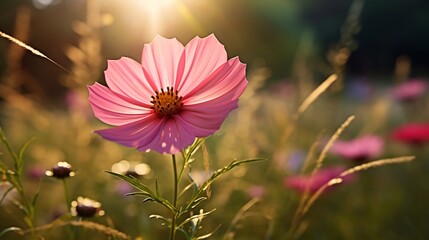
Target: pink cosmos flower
412	133
359	149
409	90
312	183
176	94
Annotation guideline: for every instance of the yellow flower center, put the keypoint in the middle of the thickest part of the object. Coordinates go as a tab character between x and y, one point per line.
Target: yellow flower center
167	103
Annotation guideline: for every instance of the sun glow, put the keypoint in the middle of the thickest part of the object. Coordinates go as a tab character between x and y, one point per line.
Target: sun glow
41	4
154	10
154	15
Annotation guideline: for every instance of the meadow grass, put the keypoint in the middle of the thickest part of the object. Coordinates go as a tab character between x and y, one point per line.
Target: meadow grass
268	124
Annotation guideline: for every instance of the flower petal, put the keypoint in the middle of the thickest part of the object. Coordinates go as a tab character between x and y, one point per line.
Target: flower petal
115	109
135	134
173	138
160	60
212	101
125	76
200	58
206	118
227	82
208	84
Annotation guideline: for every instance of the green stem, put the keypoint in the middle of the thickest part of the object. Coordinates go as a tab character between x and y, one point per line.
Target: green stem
70	229
176	185
66	194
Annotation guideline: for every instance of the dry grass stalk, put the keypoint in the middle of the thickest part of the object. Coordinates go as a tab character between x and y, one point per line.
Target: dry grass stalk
31	49
84	224
206	162
297	221
350	171
86	56
339	55
304	106
328	145
229	235
304	199
316	93
311	153
14	76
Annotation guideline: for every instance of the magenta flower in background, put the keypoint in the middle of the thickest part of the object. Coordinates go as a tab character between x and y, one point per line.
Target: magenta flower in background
409	90
359	149
312	183
412	133
176	94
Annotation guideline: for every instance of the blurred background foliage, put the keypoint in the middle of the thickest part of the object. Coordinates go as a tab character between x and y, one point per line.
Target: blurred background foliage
289	46
263	33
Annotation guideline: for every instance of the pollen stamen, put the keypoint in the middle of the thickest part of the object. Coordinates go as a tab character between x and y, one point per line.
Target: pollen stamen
167	103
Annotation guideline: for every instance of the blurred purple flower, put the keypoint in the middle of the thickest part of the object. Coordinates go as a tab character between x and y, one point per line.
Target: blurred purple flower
296	160
290	161
85	207
359	88
123	188
61	170
312	183
359	149
76	102
35	173
283	88
256	191
409	90
56	213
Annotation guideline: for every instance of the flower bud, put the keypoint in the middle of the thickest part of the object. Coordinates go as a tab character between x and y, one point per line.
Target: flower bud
60	171
85	207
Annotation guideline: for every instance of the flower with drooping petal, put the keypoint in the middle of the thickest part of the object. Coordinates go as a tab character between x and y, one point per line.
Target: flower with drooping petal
412	133
312	183
359	149
61	170
175	95
86	207
410	90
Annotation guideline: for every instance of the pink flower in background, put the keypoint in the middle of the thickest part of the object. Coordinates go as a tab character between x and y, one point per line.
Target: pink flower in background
312	183
256	191
359	149
176	94
76	102
409	90
412	133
